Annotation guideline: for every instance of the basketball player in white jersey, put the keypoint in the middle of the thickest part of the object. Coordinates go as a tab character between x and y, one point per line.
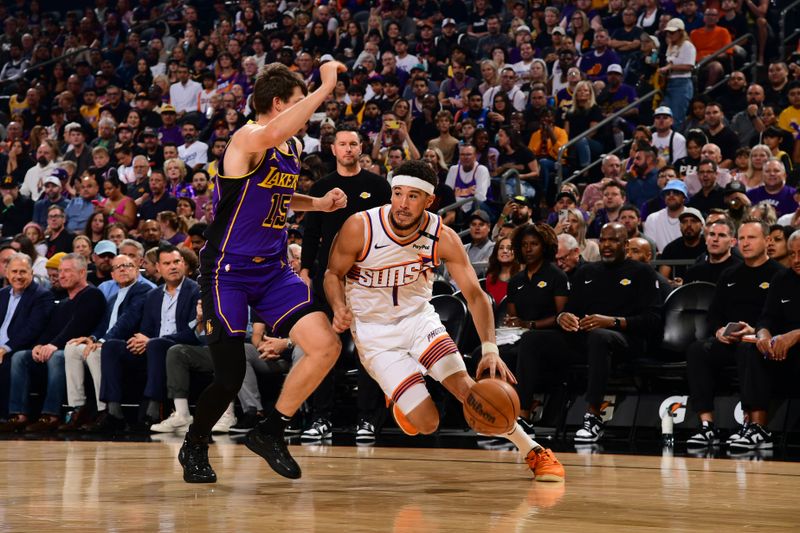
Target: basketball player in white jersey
379	284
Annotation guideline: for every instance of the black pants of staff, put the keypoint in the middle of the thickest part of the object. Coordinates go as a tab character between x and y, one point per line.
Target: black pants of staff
705	361
544	353
764	379
369	398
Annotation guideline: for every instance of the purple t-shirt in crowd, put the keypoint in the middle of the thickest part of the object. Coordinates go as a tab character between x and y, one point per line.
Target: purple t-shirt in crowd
783	201
596	66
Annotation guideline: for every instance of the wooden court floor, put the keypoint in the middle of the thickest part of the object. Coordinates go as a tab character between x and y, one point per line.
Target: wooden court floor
108	486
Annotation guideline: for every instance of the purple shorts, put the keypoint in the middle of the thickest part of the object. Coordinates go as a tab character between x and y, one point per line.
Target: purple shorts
229	284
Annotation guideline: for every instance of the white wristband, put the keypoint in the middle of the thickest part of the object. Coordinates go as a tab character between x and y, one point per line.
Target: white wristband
489	347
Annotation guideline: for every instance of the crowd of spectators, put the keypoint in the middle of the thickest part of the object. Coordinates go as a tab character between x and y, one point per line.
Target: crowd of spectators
114	117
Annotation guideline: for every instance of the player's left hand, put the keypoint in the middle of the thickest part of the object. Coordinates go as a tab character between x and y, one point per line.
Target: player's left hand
492	364
333	200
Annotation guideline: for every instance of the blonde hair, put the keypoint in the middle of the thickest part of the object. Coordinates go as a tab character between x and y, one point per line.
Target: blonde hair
181	167
592	101
581	236
750	169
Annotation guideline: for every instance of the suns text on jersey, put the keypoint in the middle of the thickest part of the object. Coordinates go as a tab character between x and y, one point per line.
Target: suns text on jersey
393	276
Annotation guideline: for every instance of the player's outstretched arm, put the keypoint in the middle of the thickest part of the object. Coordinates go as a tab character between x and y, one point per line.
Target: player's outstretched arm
333	200
255	138
452	252
345	251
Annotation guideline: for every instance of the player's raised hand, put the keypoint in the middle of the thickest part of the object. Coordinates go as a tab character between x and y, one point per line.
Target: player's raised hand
333	200
342	318
329	72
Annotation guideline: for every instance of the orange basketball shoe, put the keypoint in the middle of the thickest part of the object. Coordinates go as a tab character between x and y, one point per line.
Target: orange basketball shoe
401	420
544	465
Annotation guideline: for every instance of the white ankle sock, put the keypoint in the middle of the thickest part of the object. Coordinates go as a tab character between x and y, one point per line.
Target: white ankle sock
182	406
229	410
521	440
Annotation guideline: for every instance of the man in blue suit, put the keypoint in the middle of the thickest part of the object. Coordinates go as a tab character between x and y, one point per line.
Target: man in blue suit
121	320
25	308
169	317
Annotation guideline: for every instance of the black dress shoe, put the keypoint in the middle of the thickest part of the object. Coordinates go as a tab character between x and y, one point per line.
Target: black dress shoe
106	423
193	457
45	424
14	423
273	449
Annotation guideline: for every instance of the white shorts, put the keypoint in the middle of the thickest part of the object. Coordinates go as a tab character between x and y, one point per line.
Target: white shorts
398	355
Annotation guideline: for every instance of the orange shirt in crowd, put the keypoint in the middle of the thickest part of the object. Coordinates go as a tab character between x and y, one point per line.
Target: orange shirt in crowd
548	150
709	41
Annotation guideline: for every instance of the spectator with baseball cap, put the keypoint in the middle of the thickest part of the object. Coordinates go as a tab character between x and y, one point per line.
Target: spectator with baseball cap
690	245
681	54
104	252
670	144
664	226
169	131
16	210
480	246
52	196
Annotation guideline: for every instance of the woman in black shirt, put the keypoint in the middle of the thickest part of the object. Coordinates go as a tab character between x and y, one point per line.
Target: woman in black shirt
582	115
514	154
535	296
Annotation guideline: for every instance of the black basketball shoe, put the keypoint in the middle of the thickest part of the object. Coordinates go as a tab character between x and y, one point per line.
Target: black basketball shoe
194	460
273	449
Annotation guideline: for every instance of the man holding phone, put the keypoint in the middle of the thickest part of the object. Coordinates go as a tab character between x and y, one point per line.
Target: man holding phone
735	309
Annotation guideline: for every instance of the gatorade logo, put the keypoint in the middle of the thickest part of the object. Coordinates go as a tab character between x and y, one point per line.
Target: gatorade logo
675	406
738	414
477	408
607	407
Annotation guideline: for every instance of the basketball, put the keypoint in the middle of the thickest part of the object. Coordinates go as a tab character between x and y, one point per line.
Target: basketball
491	407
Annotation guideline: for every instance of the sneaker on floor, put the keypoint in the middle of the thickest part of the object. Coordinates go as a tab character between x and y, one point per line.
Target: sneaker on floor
402	422
365	432
193	457
247	422
544	465
294	427
273	449
224	424
738	434
527	427
705	438
755	438
175	422
319	430
592	429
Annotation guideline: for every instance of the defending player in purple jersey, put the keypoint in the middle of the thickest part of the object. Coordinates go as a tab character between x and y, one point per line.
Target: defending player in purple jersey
244	264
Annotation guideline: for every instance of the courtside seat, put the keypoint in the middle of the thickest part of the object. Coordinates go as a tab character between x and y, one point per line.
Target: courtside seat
685	321
452	312
442	287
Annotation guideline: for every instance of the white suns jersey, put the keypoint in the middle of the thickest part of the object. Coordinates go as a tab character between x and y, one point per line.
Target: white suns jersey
392	277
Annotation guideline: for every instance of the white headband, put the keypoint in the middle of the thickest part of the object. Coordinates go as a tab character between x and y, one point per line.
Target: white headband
412	181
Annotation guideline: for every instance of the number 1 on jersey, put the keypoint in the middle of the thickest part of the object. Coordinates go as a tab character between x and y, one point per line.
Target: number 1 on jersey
277	211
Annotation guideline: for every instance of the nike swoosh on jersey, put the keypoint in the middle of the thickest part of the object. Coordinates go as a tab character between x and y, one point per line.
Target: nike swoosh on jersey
379	247
731	284
785	301
588	281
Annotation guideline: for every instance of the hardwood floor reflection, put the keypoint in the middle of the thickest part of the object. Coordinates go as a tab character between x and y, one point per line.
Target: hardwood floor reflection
108	486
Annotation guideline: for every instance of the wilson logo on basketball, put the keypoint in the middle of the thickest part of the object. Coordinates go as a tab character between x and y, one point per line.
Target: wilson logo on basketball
477	408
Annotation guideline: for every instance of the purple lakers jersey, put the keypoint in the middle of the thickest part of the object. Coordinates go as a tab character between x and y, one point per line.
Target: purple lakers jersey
250	210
